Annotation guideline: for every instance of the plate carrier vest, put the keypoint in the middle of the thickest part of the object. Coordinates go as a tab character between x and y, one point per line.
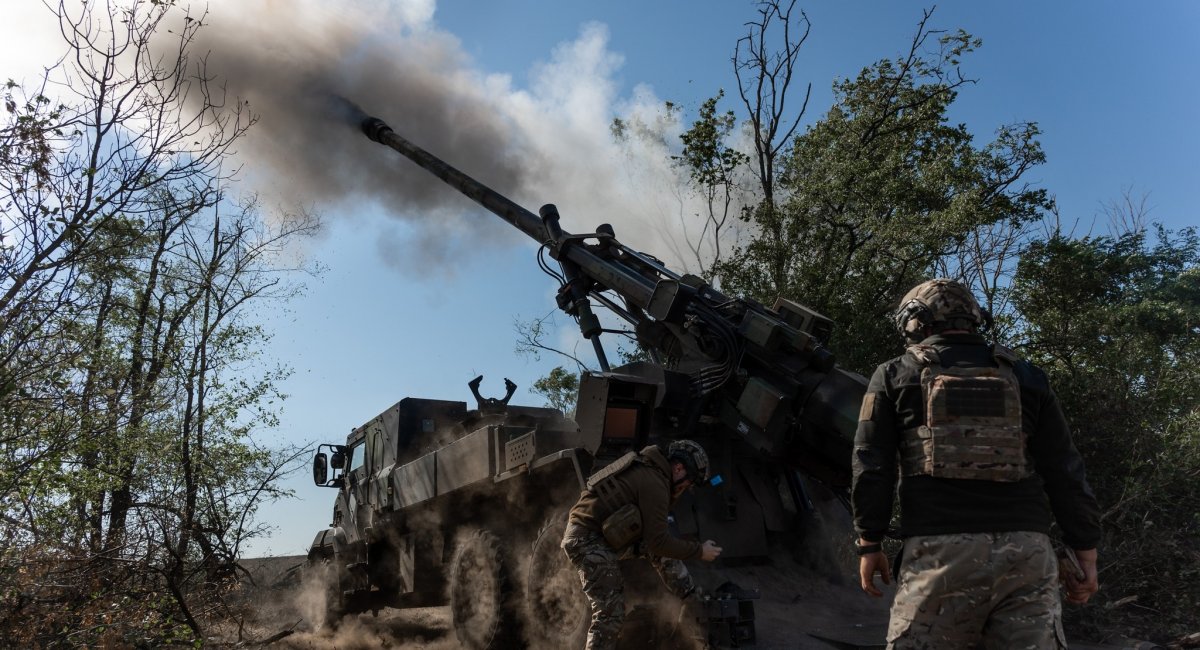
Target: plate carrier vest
609	492
623	526
972	424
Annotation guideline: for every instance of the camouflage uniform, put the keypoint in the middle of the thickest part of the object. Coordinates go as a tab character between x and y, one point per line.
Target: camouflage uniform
600	575
1004	595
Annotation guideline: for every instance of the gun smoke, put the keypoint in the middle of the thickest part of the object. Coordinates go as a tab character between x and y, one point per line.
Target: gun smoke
292	63
289	65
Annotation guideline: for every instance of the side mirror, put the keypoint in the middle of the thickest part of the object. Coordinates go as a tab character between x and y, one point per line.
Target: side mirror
339	459
321	469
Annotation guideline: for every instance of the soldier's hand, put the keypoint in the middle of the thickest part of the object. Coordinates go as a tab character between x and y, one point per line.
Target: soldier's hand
1079	591
710	551
868	565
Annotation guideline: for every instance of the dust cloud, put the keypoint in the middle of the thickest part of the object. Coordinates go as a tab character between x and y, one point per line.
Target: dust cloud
288	612
537	584
550	142
799	605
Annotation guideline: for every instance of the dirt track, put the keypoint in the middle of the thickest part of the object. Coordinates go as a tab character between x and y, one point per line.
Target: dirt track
797	610
796	607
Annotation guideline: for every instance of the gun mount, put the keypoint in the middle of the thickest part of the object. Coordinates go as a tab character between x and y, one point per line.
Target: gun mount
750	377
434	499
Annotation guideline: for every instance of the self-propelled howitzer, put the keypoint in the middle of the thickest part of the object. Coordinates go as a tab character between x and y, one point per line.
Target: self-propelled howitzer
437	503
754	385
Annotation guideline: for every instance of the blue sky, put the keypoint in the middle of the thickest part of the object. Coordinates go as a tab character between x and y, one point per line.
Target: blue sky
1114	86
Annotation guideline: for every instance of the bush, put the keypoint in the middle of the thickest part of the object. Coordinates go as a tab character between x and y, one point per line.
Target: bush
1115	322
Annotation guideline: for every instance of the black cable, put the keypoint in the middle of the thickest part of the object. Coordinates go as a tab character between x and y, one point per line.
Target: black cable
715	376
546	268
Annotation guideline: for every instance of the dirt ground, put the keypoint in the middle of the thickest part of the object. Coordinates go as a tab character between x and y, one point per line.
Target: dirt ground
281	611
796	610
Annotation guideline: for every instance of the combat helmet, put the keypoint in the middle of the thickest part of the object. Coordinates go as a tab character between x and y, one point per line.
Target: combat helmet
693	458
942	304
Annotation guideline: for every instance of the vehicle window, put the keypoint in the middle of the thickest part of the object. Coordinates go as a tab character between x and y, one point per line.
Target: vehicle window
356	456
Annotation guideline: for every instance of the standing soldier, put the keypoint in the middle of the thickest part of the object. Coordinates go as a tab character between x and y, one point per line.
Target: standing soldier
623	513
986	457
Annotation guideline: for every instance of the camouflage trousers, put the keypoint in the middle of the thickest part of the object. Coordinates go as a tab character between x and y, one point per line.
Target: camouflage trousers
600	575
977	590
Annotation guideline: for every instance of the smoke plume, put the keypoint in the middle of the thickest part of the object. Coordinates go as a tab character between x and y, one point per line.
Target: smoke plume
548	143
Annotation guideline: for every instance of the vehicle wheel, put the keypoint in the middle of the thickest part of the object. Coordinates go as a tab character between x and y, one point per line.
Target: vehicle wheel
481	593
558	610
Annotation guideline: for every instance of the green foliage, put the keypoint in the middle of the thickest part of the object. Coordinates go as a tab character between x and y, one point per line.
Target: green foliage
706	154
1115	322
712	167
878	192
560	388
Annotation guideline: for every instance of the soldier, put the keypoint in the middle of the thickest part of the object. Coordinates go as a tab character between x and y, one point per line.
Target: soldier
622	514
986	457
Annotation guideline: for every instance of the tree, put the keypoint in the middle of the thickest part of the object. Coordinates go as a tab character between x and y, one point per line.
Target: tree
128	385
560	388
531	340
764	73
713	166
1115	322
79	175
880	192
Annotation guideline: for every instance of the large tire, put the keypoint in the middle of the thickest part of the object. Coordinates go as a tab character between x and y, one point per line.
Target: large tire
481	593
558	610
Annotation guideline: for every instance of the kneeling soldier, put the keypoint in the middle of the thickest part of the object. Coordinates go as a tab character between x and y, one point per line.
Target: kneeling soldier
623	513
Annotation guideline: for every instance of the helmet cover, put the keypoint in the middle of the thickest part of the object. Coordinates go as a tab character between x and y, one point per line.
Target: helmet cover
940	303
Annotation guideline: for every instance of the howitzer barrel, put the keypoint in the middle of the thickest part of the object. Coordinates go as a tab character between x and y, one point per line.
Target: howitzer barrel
497	203
630	284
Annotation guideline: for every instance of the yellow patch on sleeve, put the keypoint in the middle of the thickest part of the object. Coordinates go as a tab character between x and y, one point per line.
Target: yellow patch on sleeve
868	407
